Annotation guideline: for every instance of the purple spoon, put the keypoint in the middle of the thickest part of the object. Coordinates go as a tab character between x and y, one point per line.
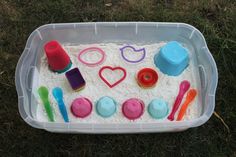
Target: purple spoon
183	88
135	50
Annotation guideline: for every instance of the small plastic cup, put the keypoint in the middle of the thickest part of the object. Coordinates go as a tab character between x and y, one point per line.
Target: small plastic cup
147	78
133	108
172	59
81	107
58	59
106	106
158	108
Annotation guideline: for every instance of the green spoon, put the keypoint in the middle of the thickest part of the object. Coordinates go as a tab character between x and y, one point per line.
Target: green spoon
43	93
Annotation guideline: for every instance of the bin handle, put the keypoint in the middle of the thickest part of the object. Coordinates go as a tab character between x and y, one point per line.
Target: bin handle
28	79
203	76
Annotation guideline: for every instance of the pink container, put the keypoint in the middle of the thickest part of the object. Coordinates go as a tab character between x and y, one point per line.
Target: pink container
133	108
81	107
58	59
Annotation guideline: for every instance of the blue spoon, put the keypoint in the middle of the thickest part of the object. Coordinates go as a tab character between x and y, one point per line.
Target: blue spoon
58	95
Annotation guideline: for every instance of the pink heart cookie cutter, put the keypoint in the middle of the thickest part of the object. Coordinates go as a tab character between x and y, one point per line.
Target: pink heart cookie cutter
113	69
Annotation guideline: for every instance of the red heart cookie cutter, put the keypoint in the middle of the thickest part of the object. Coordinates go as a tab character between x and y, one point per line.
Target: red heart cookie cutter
113	69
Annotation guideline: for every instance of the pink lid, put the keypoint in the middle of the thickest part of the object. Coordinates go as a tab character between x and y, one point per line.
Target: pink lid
133	108
81	107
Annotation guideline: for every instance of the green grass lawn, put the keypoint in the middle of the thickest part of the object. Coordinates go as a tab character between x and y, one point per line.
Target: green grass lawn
216	19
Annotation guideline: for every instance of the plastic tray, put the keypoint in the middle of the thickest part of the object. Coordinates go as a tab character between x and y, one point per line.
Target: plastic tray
27	69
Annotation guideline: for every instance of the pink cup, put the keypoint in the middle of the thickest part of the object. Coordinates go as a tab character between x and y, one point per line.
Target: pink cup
58	59
81	107
133	108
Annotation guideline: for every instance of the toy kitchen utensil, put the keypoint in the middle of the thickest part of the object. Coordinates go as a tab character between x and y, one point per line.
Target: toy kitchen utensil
43	93
58	95
183	88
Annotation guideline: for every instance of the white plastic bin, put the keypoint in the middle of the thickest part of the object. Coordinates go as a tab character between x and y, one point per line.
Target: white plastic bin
27	69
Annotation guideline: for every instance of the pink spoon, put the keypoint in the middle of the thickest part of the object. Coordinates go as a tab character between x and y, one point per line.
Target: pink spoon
183	88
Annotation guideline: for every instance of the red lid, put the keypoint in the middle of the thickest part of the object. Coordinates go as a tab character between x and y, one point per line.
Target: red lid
57	57
147	77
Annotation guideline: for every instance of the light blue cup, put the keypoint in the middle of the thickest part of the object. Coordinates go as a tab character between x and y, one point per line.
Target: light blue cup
172	59
106	106
158	108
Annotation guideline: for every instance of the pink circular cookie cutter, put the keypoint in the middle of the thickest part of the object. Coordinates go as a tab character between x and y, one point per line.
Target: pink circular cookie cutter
92	49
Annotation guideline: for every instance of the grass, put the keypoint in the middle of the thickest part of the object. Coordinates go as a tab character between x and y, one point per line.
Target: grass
216	19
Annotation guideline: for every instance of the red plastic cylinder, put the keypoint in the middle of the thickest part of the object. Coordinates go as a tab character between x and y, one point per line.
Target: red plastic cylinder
58	59
147	77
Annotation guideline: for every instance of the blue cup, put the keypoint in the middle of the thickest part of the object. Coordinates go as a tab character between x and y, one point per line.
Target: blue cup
158	108
106	106
172	59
